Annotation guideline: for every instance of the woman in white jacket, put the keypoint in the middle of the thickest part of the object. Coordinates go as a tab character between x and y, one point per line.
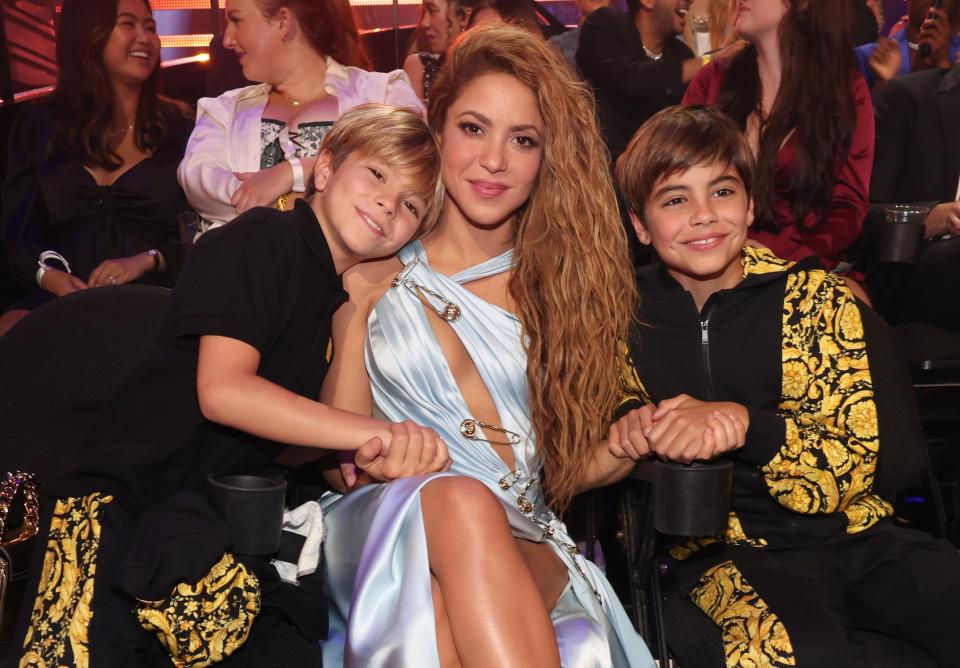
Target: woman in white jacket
256	146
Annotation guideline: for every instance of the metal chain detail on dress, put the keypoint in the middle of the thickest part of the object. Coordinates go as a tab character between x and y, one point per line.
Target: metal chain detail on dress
572	550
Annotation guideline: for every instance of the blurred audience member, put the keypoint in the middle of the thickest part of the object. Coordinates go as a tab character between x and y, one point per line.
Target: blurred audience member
223	70
256	146
519	13
440	23
866	28
918	162
636	64
901	52
567	42
891	12
808	117
90	196
709	25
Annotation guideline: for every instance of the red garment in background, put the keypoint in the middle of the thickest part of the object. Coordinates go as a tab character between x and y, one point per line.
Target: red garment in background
827	233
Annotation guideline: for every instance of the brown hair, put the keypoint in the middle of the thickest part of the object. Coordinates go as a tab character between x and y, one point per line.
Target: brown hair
84	97
328	25
520	13
400	137
675	140
572	278
815	100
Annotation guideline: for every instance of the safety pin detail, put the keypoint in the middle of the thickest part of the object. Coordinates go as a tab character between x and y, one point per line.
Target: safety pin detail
523	503
470	428
510	479
449	312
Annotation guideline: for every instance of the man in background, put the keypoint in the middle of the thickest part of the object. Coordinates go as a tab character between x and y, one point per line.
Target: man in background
636	64
567	42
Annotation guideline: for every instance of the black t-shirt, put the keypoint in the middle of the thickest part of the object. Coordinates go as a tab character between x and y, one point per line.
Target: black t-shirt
267	279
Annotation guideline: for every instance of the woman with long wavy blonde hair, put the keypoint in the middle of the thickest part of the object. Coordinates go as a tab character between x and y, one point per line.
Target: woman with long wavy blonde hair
500	329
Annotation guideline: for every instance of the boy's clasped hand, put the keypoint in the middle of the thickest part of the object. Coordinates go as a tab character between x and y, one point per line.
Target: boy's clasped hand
409	451
681	429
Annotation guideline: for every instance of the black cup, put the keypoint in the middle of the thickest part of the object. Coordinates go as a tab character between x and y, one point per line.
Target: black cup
901	233
252	507
692	499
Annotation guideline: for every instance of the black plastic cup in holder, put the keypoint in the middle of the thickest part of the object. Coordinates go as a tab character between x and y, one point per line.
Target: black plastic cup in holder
252	507
901	233
692	499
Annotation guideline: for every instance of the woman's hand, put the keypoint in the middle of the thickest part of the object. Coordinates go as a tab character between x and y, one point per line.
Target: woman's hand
942	219
687	429
262	188
411	450
61	283
121	270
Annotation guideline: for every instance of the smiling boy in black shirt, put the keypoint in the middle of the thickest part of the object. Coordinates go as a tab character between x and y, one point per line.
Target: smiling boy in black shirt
810	550
228	381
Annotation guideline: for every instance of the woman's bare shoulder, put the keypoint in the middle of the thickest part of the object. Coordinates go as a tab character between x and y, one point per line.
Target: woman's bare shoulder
367	281
412	64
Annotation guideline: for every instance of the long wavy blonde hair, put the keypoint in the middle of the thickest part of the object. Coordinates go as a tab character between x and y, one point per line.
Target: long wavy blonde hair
572	278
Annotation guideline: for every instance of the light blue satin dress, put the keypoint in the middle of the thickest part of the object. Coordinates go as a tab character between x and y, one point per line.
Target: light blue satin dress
377	569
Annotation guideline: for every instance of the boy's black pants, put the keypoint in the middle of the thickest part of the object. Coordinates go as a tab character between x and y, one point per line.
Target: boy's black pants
887	579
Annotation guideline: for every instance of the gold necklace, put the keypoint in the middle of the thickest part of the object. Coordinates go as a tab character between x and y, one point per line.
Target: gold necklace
121	131
295	103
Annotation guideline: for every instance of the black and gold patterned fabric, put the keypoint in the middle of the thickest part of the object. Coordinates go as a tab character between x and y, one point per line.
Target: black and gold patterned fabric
829	460
59	623
753	636
805	534
203	623
198	624
822	462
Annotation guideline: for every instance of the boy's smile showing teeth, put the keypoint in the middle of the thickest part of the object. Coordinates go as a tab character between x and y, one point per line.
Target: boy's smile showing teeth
374	227
705	243
697	219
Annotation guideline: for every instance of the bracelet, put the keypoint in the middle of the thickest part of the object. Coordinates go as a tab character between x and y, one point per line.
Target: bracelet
281	204
297	167
155	254
42	265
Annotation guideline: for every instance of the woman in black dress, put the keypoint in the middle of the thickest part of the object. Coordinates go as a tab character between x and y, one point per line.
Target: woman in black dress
91	195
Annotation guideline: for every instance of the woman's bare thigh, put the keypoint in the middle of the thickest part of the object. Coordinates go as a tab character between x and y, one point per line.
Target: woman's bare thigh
548	571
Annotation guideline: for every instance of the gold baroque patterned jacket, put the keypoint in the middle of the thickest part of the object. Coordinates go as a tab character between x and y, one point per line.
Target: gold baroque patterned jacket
789	343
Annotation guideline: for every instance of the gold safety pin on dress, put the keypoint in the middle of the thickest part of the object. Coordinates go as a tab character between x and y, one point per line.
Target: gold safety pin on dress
470	428
509	480
449	312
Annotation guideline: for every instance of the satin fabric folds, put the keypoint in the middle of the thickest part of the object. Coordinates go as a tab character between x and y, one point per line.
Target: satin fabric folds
377	568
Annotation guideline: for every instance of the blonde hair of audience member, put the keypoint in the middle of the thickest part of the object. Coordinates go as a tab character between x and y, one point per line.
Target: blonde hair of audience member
568	230
399	137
